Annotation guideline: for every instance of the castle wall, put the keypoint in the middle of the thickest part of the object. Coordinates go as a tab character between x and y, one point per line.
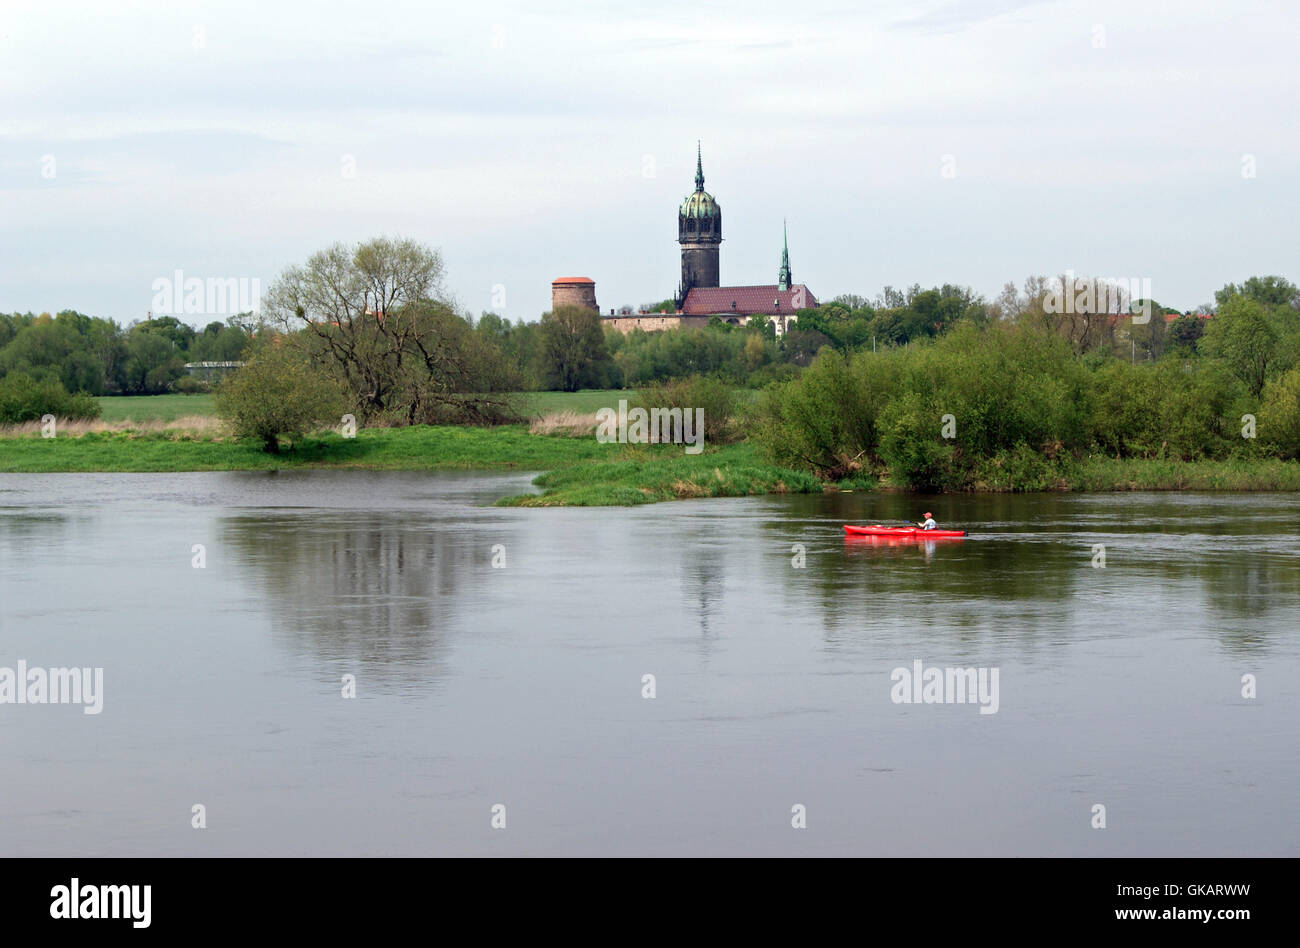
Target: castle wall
657	323
626	324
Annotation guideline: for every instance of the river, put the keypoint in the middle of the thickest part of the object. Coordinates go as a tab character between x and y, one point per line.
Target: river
500	657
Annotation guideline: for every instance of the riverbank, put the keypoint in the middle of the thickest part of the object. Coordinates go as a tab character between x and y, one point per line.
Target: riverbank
509	447
582	471
579	471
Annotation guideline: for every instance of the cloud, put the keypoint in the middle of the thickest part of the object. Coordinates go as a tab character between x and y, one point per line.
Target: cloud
953	16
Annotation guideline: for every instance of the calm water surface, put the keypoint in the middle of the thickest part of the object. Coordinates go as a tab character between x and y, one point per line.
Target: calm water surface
522	685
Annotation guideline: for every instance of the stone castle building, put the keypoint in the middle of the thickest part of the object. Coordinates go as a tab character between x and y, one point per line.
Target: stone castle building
574	291
700	295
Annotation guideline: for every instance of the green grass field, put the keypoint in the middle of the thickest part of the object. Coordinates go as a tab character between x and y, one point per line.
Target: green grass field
536	404
418	448
165	408
143	408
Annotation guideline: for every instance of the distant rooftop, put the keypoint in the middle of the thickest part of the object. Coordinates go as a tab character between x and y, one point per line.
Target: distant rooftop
747	300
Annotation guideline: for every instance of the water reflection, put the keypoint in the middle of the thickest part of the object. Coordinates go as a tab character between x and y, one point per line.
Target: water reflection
382	590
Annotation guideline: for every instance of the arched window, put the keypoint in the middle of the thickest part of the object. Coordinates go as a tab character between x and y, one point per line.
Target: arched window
690	225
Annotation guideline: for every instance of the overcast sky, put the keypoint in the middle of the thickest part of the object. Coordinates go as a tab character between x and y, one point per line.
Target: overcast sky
529	141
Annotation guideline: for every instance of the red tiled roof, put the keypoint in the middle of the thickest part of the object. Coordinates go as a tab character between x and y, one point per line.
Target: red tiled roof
1114	319
572	280
746	300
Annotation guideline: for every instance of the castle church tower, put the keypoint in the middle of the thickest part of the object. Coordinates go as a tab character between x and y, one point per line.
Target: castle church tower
699	232
783	275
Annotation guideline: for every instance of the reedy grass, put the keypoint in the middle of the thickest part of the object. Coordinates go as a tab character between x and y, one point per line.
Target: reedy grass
1098	473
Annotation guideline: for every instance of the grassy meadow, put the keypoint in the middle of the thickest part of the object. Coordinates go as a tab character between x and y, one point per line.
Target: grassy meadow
146	408
169	408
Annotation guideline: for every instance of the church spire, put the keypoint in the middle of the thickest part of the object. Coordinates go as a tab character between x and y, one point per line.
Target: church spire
699	167
783	276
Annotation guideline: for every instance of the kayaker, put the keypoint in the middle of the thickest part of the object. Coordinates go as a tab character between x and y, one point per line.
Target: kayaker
928	523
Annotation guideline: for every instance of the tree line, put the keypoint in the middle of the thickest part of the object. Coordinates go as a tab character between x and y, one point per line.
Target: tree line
97	356
374	330
1011	401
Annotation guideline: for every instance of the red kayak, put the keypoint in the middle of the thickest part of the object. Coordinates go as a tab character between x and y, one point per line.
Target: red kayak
906	532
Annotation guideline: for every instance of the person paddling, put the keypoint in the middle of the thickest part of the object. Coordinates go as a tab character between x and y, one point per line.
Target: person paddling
928	523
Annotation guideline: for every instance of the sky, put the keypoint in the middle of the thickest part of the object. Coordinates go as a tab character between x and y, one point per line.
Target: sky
973	143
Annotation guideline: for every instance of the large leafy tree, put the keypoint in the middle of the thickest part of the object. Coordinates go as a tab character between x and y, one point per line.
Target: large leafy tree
1185	331
572	347
1245	339
1268	291
179	334
376	317
151	363
220	342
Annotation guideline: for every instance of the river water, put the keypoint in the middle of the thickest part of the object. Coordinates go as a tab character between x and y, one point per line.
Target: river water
500	660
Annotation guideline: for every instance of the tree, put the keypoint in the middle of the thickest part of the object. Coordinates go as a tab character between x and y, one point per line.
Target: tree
377	320
219	343
572	347
179	334
151	364
1150	338
1185	331
1269	291
278	395
890	298
1242	336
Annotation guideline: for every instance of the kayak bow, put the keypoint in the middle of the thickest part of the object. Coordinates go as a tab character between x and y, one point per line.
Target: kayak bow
879	531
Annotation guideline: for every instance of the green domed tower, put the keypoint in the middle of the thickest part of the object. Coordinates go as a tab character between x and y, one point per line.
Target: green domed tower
699	231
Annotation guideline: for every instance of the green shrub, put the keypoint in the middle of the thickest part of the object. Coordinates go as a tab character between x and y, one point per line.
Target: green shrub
913	448
716	398
824	420
24	399
189	385
1279	415
1021	469
278	395
1197	403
